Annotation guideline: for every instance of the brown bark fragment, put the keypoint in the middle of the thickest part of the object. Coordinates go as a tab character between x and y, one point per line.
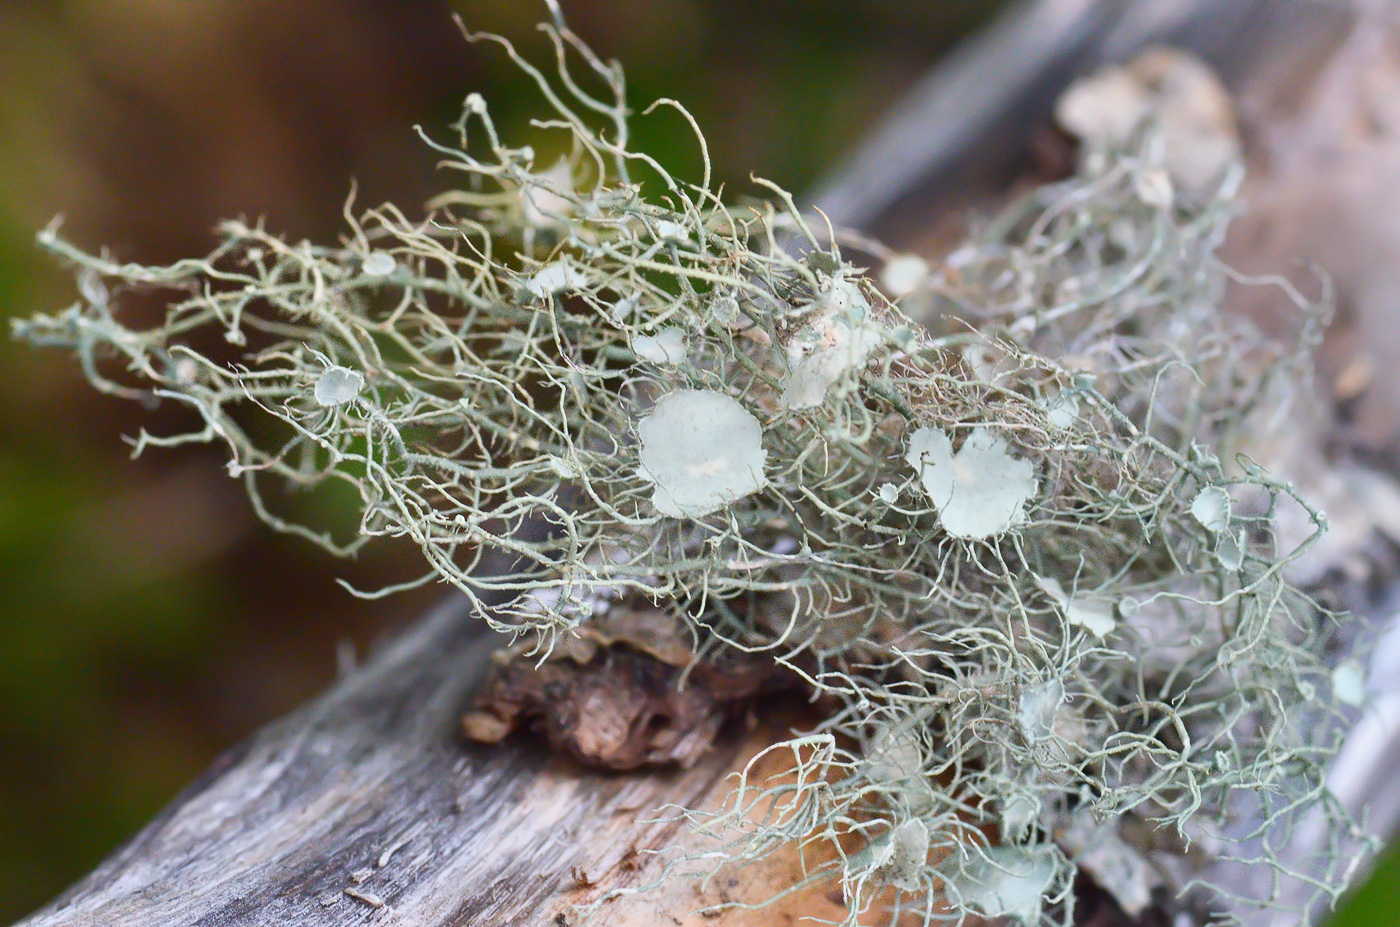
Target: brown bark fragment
627	691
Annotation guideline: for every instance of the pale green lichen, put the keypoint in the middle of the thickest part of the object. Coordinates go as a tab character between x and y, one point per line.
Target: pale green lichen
702	450
981	490
903	274
1349	683
378	264
836	336
1007	881
338	386
902	855
1085	611
1211	508
891	508
667	346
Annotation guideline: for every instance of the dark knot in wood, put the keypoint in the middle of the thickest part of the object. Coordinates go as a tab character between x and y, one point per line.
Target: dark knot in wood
621	695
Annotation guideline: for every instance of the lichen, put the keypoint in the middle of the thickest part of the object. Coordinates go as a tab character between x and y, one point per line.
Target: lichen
1084	611
1007	881
981	490
337	386
837	336
667	346
1211	508
903	274
378	264
702	450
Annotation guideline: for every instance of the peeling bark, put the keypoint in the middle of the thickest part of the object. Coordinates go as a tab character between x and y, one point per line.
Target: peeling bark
626	691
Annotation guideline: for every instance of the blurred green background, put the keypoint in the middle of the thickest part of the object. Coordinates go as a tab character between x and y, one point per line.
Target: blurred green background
147	622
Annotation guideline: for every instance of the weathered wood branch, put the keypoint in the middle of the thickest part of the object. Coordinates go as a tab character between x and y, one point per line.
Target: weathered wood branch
366	806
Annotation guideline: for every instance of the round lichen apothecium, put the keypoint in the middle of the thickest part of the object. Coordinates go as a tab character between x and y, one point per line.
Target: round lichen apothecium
703	450
337	386
980	491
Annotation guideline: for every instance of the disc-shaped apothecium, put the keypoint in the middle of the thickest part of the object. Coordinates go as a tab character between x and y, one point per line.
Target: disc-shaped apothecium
703	450
981	490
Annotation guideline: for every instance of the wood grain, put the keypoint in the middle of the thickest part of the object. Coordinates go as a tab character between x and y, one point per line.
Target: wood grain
366	807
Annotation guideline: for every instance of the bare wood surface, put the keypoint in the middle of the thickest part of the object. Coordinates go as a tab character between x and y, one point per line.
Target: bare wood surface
366	807
963	134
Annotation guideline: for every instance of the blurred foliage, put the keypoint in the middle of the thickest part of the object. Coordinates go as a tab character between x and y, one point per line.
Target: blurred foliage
146	622
1378	901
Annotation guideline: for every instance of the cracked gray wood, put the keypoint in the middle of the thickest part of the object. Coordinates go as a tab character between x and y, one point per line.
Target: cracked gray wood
366	804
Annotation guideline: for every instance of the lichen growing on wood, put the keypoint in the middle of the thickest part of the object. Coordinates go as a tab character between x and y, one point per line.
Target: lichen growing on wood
981	539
